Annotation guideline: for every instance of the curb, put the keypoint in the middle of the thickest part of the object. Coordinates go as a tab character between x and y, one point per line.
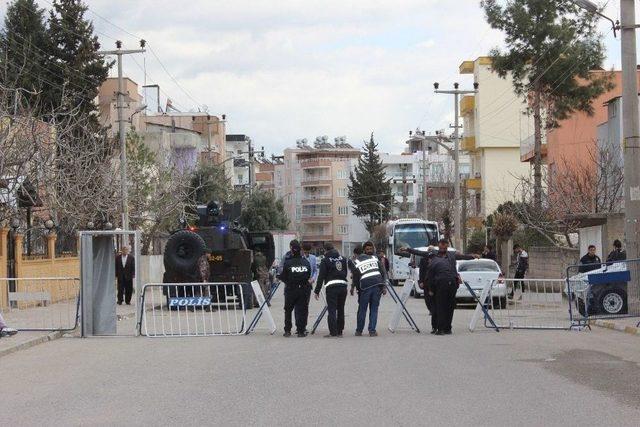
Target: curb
31	343
633	330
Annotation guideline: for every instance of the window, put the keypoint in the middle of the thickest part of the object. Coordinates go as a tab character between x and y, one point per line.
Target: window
343	210
240	178
343	229
343	174
342	192
298	212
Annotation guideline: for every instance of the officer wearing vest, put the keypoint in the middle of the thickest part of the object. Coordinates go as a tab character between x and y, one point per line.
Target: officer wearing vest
296	272
370	278
333	277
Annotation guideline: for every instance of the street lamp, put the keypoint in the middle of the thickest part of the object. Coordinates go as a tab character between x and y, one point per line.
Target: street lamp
591	7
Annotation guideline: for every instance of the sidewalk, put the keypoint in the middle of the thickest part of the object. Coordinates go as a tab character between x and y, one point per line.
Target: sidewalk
50	315
627	325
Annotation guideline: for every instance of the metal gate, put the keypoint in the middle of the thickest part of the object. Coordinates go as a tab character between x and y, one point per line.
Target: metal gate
524	304
192	309
41	304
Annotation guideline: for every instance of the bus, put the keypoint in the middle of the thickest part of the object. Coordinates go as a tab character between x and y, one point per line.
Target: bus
407	232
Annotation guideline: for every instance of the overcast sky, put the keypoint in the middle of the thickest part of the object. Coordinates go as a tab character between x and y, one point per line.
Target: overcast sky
283	69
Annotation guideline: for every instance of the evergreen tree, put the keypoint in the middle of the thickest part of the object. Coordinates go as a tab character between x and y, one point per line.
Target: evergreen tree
75	49
369	189
25	51
551	47
263	211
209	183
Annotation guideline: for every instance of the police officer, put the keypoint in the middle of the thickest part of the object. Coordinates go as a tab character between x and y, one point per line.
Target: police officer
333	276
296	272
370	278
443	281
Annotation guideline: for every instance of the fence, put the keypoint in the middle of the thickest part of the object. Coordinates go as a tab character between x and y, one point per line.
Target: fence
525	304
42	304
192	309
605	290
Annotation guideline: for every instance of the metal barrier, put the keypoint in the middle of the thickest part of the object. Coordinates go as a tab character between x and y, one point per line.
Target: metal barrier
524	304
604	290
41	304
192	309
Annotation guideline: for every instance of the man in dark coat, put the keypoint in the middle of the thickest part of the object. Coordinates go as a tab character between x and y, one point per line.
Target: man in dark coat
590	261
296	272
617	254
333	278
125	272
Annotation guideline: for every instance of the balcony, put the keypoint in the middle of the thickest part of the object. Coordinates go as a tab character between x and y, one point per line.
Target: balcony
473	183
316	236
467	67
527	150
315	181
319	199
468	143
467	104
315	163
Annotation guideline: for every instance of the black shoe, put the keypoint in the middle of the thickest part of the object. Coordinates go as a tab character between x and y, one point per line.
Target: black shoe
373	334
434	331
330	336
358	333
128	303
448	332
286	334
119	302
439	333
302	334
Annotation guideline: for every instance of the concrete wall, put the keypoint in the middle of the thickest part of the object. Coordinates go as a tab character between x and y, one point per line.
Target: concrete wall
551	262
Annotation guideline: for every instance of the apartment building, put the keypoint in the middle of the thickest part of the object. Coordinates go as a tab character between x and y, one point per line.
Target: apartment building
493	129
312	180
237	155
265	170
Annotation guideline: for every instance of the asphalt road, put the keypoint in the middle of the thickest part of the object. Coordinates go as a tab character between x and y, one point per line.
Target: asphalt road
523	378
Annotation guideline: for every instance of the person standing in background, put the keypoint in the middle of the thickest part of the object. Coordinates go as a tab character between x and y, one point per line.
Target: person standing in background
489	253
313	261
522	265
333	277
125	273
617	254
295	274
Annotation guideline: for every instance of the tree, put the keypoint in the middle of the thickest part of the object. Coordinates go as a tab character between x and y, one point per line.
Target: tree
81	70
369	190
551	48
25	51
263	211
158	192
209	183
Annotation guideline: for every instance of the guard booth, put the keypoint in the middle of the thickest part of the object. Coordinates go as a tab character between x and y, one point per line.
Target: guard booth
97	282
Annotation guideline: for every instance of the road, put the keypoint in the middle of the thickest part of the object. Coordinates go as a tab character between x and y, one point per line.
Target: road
524	378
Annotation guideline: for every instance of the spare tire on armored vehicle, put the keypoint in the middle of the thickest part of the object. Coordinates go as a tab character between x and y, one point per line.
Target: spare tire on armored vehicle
181	254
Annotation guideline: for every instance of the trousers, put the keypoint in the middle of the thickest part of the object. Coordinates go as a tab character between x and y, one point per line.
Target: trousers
444	303
125	289
368	298
336	297
429	301
296	298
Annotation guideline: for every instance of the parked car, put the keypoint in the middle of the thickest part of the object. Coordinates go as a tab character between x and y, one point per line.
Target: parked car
476	273
602	291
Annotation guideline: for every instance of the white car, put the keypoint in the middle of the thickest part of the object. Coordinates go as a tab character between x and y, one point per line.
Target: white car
476	273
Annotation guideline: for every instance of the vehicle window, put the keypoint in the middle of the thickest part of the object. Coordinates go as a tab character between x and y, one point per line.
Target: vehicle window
478	265
415	235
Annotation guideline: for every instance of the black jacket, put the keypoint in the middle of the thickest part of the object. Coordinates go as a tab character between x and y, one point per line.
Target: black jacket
332	271
586	260
128	272
296	271
368	271
490	255
440	266
424	267
617	255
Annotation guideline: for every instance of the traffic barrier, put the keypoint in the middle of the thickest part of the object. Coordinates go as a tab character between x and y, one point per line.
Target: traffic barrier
401	309
604	290
526	304
41	304
192	309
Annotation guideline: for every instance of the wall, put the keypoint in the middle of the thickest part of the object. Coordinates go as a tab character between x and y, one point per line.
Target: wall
501	170
551	262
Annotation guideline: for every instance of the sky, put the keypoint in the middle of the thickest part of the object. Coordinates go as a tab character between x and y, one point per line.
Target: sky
282	70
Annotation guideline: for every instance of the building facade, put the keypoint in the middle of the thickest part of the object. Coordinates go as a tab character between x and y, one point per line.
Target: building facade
493	128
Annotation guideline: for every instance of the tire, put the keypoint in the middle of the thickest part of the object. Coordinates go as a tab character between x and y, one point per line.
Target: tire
613	301
182	252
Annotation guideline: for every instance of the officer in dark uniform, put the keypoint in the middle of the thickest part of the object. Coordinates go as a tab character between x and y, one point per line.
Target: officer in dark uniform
333	276
296	272
370	278
443	281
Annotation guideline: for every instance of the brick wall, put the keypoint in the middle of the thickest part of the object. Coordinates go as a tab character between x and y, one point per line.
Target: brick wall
551	262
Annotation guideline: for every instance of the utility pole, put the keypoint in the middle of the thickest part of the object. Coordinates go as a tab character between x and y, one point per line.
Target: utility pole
405	189
631	141
456	92
425	206
121	130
